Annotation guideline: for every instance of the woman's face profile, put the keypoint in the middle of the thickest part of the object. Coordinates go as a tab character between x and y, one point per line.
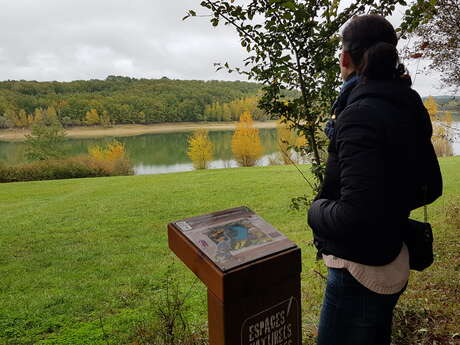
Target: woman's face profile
346	67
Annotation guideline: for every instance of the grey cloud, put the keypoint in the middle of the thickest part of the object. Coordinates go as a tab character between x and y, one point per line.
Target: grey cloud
67	39
84	39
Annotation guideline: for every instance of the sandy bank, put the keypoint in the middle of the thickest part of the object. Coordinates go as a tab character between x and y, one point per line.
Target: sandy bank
131	130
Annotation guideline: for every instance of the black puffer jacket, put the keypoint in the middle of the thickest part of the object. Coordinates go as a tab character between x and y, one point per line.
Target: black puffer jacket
380	160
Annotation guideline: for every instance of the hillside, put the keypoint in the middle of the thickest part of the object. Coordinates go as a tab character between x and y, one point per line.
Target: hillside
126	100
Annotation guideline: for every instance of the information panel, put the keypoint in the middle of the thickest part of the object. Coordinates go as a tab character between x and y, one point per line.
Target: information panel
234	237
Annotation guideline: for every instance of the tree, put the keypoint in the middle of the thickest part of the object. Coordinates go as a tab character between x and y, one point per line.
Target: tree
432	106
45	141
92	117
442	129
437	38
292	45
105	119
288	141
200	149
4	123
24	120
50	116
18	119
246	146
38	115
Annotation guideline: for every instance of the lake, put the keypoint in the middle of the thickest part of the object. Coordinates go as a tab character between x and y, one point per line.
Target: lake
156	153
166	152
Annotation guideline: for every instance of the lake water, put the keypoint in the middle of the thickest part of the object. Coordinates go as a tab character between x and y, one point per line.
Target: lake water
156	153
167	152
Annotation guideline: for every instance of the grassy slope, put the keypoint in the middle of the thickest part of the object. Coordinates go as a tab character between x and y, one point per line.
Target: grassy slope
80	258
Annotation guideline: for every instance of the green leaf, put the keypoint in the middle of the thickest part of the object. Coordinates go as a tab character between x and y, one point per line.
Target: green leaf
290	5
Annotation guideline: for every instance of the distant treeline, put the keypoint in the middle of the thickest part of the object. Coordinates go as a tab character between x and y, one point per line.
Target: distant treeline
447	103
123	100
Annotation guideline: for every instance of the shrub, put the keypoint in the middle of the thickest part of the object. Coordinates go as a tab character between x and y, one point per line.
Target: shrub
246	145
74	167
200	149
170	323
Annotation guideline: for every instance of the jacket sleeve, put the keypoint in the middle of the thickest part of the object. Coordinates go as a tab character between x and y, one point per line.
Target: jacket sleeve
360	154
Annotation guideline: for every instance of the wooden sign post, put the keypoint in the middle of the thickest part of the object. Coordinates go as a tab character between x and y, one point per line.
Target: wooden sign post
252	273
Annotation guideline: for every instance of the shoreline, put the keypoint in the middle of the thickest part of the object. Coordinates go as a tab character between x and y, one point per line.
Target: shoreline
83	132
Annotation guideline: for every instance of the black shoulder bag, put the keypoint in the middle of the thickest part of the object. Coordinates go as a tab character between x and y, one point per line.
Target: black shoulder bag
419	241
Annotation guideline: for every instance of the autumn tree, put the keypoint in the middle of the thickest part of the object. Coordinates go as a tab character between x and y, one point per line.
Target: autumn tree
246	146
19	118
200	149
442	129
38	115
24	120
234	109
288	141
432	106
105	119
92	117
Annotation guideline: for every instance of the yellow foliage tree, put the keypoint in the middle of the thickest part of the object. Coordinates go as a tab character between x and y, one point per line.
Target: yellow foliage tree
200	149
111	152
105	119
51	117
38	115
18	119
24	120
448	118
246	146
442	129
432	107
92	117
287	140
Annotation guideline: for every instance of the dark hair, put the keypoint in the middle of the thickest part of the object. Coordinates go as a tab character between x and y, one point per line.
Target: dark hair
371	42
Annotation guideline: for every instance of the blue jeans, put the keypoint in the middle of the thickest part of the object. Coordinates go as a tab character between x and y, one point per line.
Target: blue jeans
354	315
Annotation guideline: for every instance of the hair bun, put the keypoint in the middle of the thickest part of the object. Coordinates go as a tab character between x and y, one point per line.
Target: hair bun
400	69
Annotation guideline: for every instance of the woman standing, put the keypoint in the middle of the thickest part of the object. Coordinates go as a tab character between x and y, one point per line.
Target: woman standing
379	133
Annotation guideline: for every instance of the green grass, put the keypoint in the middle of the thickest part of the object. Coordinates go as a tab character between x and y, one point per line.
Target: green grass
84	261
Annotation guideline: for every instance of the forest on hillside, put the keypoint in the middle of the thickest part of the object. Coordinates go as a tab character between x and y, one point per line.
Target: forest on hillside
124	100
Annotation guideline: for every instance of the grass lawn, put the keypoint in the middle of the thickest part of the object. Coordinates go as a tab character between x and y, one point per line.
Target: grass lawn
85	261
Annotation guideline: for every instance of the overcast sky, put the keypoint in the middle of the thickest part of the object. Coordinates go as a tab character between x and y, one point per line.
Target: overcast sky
90	39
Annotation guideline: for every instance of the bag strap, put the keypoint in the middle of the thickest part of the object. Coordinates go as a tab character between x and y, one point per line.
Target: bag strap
425	207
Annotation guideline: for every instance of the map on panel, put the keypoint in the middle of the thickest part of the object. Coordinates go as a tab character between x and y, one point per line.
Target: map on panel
233	237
